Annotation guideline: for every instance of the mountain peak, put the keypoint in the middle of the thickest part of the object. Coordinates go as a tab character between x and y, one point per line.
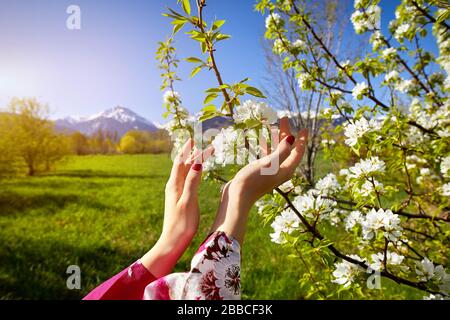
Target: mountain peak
118	119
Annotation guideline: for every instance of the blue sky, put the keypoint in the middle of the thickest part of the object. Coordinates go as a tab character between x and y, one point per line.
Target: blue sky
111	60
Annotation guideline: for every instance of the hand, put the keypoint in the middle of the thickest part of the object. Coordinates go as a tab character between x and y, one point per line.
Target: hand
181	211
250	184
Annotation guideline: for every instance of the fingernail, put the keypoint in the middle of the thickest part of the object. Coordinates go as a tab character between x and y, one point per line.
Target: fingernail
197	167
290	140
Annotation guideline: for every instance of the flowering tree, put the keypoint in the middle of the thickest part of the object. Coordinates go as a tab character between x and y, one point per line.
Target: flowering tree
383	211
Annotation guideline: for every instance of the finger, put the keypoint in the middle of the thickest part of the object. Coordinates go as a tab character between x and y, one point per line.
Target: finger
192	183
207	153
178	163
283	150
196	153
186	150
291	163
285	129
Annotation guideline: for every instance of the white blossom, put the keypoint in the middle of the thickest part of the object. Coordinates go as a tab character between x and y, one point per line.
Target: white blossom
345	63
367	188
287	186
388	53
392	258
445	166
278	46
285	223
228	147
401	31
355	217
313	204
404	85
171	97
303	79
433	297
445	189
357	129
358	4
328	185
299	45
345	271
381	219
359	90
366	20
426	270
391	76
254	110
366	167
273	20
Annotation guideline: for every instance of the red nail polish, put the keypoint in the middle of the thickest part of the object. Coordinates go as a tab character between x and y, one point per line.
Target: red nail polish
290	140
197	167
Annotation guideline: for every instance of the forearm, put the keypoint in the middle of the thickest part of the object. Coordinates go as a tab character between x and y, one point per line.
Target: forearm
162	258
233	212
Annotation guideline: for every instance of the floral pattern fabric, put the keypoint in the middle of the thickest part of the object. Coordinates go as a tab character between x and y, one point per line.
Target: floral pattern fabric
214	275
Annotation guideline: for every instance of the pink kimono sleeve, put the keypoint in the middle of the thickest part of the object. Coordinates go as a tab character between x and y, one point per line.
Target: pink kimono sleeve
129	284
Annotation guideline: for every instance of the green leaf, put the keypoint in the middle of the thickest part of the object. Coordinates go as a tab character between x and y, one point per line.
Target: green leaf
187	6
222	37
196	70
210	90
177	27
194	60
255	92
210	97
166	114
207	116
217	24
203	46
209	108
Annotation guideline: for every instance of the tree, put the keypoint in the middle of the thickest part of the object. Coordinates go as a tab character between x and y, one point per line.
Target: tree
8	152
79	143
384	208
281	84
136	141
34	138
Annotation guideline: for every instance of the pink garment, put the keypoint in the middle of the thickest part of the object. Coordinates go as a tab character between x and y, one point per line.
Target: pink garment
129	284
214	275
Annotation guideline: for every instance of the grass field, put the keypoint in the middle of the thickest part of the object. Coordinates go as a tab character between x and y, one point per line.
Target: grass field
104	212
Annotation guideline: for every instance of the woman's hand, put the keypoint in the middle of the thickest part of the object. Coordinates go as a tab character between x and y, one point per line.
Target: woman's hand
181	211
258	178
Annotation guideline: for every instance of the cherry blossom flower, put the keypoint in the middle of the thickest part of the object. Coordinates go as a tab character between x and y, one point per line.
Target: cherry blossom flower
327	185
285	223
228	147
388	53
367	188
357	129
392	258
360	90
381	220
364	168
445	166
254	110
355	217
273	20
391	76
171	97
346	272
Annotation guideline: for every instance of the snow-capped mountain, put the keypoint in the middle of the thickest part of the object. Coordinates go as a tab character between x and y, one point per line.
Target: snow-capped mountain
118	119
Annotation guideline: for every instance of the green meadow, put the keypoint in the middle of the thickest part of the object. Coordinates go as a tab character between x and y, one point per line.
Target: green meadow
104	212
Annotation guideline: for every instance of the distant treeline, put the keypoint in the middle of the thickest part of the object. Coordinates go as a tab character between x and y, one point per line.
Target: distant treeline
30	144
133	142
